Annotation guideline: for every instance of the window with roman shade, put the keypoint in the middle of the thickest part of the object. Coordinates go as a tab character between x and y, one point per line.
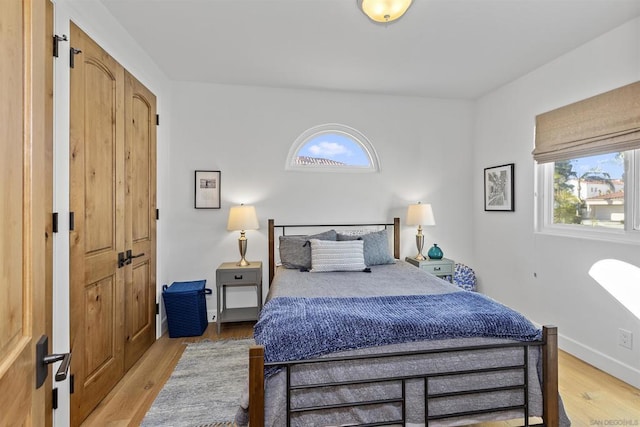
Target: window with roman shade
600	124
588	156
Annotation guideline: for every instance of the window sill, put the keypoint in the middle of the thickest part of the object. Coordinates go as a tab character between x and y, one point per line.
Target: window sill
604	235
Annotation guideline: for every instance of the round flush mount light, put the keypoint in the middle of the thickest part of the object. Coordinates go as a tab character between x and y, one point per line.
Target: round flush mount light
384	11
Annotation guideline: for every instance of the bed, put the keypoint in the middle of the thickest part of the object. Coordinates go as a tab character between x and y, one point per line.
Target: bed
385	343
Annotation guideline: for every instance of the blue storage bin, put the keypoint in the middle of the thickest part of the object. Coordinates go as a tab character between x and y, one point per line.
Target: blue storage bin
186	308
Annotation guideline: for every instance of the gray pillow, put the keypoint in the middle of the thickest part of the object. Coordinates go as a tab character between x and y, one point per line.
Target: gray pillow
294	253
376	247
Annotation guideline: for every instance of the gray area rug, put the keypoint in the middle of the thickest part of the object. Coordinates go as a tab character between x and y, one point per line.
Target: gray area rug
204	388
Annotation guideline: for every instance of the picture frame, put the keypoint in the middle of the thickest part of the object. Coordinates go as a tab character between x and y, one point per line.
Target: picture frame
499	188
207	189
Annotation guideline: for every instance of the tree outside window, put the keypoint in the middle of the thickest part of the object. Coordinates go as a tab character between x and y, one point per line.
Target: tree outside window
590	191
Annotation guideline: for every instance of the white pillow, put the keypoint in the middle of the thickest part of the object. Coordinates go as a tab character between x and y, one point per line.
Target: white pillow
327	255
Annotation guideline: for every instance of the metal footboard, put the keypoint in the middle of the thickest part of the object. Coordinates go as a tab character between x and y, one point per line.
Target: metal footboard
522	386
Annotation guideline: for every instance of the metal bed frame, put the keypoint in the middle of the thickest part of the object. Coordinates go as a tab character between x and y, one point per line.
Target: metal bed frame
549	354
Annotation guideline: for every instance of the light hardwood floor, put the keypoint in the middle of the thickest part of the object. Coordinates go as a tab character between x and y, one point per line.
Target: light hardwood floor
591	397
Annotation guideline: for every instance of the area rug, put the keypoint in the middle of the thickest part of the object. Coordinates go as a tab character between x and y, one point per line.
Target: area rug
205	387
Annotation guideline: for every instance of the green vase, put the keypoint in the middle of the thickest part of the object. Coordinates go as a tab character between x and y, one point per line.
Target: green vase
435	252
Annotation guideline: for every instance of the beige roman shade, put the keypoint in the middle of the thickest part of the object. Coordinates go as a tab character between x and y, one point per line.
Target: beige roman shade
603	123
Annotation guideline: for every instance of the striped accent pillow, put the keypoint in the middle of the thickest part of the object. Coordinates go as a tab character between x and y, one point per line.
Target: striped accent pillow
327	255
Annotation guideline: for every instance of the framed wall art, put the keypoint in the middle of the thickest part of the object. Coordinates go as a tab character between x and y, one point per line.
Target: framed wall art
499	188
207	190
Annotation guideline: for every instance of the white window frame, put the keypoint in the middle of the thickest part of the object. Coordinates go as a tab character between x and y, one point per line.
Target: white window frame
544	206
333	128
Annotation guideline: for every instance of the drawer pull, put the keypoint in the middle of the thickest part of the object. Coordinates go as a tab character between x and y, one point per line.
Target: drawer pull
238	277
437	268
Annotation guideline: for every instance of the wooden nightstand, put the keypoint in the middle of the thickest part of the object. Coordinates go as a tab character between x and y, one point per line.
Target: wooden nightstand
229	274
443	268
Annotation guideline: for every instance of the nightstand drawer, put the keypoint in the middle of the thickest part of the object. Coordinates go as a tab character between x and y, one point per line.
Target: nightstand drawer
240	276
443	268
438	269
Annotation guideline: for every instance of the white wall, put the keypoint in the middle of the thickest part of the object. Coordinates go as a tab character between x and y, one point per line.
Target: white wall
509	253
246	133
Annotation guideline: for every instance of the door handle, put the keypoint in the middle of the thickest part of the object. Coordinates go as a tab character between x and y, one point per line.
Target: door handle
63	369
125	259
133	256
43	359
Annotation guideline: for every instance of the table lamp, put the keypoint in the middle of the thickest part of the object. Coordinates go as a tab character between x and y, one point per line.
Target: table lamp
420	214
242	218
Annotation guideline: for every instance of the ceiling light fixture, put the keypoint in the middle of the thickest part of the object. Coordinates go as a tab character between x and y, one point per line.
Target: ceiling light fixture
384	11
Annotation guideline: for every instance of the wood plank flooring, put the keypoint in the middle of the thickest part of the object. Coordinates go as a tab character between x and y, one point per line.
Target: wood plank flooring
130	400
591	397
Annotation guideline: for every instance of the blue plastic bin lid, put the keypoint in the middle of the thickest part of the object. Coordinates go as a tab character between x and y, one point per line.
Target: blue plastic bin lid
177	287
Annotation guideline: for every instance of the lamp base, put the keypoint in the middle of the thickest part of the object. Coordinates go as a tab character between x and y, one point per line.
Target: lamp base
243	262
420	244
242	245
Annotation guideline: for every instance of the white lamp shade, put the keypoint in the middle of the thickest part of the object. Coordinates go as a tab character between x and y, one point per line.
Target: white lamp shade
420	214
384	10
242	218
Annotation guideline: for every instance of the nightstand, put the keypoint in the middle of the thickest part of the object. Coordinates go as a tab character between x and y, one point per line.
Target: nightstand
443	268
228	275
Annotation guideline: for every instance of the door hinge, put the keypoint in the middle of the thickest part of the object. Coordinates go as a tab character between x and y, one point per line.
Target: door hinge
157	119
54	222
72	221
54	398
157	213
72	55
72	379
56	40
157	308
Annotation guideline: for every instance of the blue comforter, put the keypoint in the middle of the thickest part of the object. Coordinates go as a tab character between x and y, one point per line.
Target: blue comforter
296	328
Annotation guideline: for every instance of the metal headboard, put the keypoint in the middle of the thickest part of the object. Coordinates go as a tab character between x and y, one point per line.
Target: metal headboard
272	243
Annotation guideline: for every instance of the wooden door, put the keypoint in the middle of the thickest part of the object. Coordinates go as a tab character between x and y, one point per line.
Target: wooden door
140	202
113	198
23	194
97	179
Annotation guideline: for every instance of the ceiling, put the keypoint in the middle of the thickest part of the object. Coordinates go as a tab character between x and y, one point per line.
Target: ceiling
440	48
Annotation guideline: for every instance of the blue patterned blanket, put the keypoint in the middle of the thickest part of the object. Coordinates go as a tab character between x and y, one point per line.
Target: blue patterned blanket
296	328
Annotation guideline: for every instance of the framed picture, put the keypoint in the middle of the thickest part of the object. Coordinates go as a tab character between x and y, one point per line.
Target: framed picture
207	186
499	188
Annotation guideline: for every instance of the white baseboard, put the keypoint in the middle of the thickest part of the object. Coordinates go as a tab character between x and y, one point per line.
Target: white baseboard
622	371
163	327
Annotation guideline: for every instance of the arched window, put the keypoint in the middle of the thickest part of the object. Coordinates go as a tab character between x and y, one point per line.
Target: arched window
332	147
